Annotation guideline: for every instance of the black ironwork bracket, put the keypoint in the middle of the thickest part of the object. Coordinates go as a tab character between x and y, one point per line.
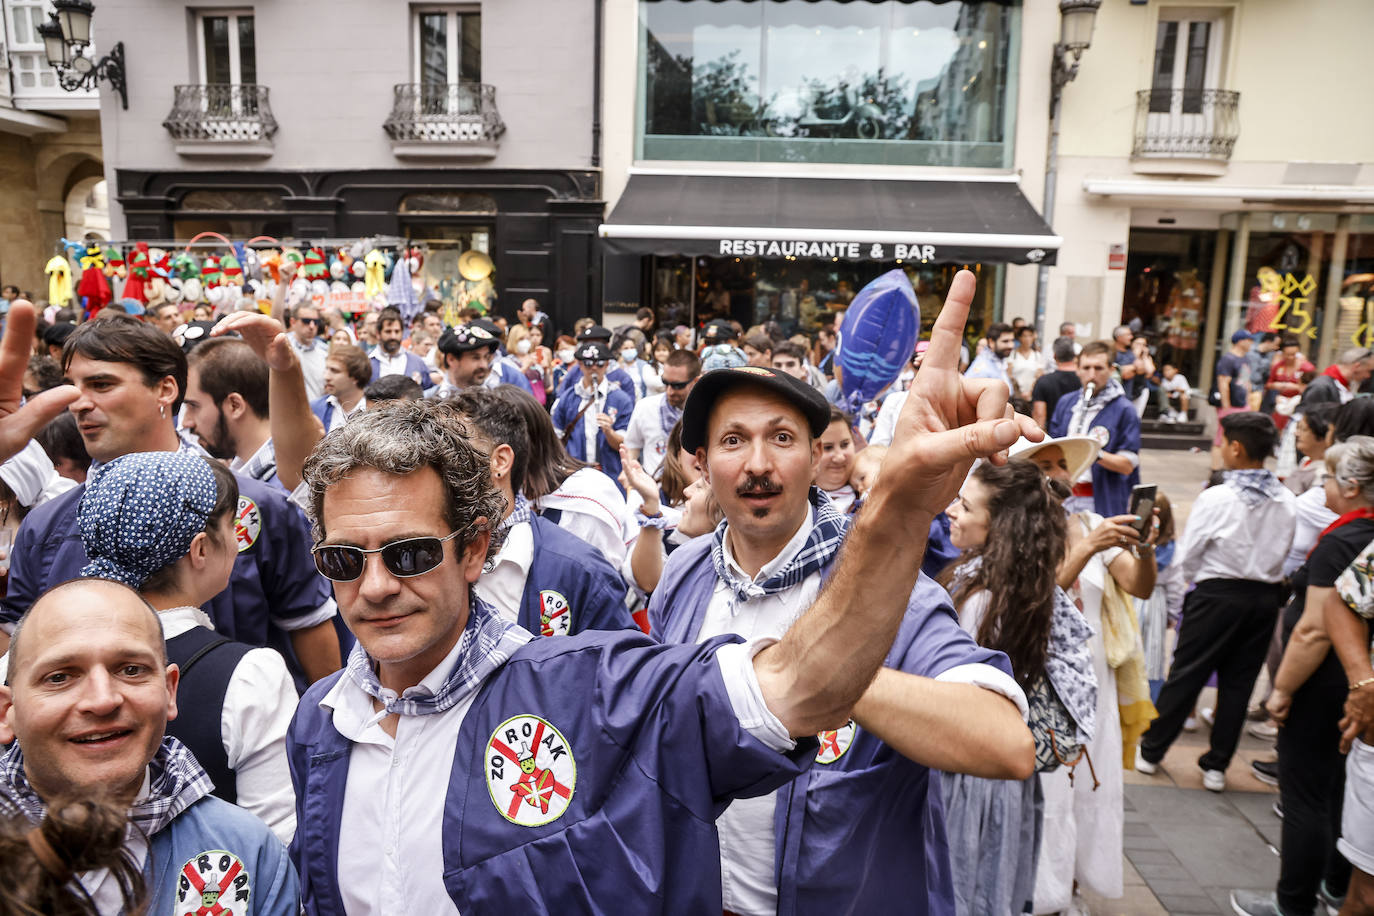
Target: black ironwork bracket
110	68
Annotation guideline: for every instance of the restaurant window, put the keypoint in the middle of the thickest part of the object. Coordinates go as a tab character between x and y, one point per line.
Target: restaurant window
892	82
228	49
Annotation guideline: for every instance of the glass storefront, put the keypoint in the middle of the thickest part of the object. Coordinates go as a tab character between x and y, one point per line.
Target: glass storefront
892	82
801	294
1166	292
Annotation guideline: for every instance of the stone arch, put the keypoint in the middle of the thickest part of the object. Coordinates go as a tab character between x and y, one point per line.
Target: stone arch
82	220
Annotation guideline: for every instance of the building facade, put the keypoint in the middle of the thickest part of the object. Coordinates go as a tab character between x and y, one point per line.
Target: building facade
451	126
1211	177
766	160
51	165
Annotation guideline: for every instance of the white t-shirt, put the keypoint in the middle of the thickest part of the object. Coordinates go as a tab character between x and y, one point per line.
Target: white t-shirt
646	434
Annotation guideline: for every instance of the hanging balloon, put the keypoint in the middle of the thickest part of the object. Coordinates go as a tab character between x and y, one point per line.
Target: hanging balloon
877	337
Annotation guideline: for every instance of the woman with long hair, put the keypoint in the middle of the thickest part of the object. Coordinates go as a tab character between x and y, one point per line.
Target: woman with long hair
1011	531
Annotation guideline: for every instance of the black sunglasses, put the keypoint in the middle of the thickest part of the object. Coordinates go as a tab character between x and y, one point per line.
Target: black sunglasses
677	386
594	363
403	559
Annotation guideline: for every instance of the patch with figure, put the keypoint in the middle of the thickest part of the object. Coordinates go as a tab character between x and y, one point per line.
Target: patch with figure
214	883
835	742
247	523
1102	434
555	614
530	771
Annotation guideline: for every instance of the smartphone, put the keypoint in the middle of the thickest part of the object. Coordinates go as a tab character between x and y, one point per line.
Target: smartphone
1143	507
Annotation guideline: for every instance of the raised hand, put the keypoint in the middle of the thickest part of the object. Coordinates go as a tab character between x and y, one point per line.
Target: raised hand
639	479
948	421
20	420
265	335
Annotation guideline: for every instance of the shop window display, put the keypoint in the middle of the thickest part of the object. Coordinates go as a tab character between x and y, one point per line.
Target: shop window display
801	295
1165	296
893	81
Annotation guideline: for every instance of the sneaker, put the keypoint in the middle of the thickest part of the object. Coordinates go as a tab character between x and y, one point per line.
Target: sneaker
1144	766
1213	780
1208	715
1332	903
1278	810
1266	771
1255	903
1257	714
1265	731
1168	418
1190	724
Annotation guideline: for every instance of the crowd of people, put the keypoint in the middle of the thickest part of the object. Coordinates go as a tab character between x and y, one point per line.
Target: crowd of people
394	616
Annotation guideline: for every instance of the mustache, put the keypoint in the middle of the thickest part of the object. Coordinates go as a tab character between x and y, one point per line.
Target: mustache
758	486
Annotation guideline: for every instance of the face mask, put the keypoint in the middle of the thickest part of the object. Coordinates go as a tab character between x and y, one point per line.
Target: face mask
565	355
628	356
522	346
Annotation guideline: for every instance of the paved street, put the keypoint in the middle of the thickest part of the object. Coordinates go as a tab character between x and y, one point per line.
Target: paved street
1186	848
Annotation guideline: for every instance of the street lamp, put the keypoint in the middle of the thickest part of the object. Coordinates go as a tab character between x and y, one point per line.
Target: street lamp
1076	21
65	36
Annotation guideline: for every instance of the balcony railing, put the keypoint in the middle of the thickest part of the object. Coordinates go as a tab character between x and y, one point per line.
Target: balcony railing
1186	123
456	119
221	117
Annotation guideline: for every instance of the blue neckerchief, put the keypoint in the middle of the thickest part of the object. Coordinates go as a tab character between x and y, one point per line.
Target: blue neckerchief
175	782
487	642
668	415
521	513
1254	486
822	544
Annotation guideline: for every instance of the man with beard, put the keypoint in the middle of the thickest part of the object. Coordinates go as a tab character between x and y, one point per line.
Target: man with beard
390	358
465	356
131	380
991	361
655	416
757	434
226	408
1103	412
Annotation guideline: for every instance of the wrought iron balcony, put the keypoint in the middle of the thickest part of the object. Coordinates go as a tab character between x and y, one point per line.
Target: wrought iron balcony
1199	124
440	119
221	119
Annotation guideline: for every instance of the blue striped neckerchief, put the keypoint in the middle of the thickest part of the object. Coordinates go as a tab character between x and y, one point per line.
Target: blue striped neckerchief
487	642
828	529
176	781
521	513
1255	486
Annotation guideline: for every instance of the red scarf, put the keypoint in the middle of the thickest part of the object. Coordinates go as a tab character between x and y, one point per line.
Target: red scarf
1347	518
1335	372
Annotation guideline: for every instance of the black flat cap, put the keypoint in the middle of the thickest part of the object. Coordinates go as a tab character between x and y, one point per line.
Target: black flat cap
711	385
720	330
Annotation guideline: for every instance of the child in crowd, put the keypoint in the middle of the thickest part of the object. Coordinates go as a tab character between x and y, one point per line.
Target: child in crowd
1174	390
1164	607
1233	549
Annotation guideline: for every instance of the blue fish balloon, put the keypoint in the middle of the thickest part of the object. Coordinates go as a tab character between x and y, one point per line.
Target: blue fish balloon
877	337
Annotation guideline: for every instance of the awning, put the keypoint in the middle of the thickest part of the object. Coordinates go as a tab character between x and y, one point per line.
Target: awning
736	215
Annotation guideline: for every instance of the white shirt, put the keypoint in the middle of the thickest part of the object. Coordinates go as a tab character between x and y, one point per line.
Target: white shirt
340	416
646	434
885	427
1176	385
391	859
593	509
258	705
1312	518
1226	539
504	586
843	498
390	365
312	364
590	429
747	841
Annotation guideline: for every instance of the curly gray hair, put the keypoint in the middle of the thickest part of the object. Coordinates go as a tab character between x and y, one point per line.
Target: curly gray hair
400	438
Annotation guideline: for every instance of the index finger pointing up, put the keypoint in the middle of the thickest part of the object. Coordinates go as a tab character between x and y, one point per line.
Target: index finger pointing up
947	335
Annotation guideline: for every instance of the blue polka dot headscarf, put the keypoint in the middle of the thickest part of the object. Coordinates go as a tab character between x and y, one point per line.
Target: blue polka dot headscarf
141	511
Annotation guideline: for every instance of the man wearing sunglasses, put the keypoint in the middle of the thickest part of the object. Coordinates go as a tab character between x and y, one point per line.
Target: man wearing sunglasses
616	376
305	328
655	416
591	416
459	765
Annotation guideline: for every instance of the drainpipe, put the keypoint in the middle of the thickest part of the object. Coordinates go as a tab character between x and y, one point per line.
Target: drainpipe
596	83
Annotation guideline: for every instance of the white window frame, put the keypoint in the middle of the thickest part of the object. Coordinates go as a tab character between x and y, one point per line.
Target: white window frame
235	59
1176	119
453	36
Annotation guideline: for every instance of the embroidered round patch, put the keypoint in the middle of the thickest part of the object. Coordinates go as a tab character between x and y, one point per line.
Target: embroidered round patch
530	771
1102	434
247	524
835	742
555	615
214	883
